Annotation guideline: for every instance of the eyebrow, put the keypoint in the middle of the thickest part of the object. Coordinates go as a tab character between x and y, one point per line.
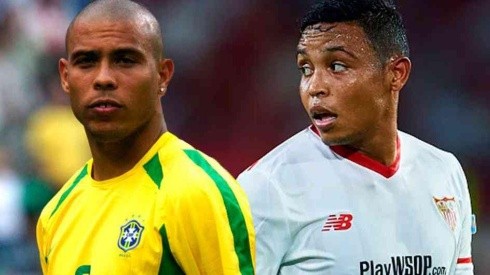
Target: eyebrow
339	49
116	52
130	50
79	53
302	51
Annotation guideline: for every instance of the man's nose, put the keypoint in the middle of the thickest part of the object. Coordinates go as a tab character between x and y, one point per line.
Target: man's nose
105	79
318	86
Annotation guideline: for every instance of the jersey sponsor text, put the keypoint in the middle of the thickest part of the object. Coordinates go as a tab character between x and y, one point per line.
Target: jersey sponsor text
402	265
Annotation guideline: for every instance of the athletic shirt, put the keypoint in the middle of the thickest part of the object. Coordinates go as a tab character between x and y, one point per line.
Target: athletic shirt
332	210
176	212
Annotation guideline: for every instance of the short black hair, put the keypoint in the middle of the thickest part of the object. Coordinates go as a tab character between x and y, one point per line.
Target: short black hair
379	19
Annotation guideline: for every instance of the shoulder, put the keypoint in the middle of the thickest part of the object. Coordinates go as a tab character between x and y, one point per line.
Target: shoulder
54	204
284	166
191	165
415	148
301	147
194	182
190	173
416	151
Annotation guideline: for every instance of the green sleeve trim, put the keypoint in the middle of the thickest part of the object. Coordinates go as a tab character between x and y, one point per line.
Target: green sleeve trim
80	176
235	215
168	265
83	270
154	169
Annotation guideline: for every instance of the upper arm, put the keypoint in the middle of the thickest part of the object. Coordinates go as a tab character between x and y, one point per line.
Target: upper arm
464	264
41	245
207	227
272	230
43	236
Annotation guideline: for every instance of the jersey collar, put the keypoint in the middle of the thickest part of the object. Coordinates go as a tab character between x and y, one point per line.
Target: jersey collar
365	161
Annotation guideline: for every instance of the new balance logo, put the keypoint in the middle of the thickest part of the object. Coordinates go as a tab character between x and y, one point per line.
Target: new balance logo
338	222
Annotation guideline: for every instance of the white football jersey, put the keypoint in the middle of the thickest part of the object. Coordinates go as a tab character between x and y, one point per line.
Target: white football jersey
322	209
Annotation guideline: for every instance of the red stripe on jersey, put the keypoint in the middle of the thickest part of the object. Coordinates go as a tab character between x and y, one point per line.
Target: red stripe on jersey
354	155
251	166
465	260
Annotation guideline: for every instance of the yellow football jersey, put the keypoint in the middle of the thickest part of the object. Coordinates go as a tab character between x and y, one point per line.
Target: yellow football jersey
177	211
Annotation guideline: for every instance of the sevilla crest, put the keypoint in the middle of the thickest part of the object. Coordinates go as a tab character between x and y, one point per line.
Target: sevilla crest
447	207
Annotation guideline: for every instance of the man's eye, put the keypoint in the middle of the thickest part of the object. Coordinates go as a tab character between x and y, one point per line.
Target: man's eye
337	67
125	60
306	71
84	61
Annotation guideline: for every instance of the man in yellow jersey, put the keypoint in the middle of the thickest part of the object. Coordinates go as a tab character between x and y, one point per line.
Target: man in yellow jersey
147	203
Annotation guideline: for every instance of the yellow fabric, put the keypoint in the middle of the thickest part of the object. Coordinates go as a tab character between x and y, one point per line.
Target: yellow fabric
57	142
80	228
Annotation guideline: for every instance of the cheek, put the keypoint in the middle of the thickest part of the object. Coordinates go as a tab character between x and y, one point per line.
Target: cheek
366	108
144	85
76	97
76	104
303	84
305	101
365	93
145	97
80	79
303	94
79	89
378	97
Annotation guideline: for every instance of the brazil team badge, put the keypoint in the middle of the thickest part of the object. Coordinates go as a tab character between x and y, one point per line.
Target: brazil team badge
130	235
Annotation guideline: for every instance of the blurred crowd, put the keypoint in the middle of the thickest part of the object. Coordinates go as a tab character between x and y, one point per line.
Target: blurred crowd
234	96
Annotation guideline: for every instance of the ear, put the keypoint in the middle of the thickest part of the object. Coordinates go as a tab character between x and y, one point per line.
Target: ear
400	69
63	71
165	71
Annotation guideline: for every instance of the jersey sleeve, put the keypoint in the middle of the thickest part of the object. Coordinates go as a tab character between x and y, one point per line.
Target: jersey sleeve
42	233
270	220
464	263
41	245
208	229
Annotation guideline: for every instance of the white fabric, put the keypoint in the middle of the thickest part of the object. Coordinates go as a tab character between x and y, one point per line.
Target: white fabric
296	187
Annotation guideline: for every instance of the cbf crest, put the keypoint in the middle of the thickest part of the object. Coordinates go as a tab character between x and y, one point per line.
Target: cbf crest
447	207
130	235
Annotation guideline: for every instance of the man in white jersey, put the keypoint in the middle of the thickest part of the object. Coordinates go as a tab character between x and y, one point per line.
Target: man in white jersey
352	194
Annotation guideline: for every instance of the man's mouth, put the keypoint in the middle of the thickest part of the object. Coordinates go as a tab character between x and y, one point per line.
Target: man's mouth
106	103
103	105
323	118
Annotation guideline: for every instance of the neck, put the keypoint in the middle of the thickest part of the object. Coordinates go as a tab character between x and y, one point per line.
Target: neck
116	157
382	147
384	152
380	143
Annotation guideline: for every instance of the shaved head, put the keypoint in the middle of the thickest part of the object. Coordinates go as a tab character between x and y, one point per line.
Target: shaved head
118	11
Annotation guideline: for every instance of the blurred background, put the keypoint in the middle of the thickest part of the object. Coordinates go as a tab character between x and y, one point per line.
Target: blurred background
234	96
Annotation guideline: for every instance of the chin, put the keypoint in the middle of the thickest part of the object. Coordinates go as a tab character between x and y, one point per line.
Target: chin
332	140
106	135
